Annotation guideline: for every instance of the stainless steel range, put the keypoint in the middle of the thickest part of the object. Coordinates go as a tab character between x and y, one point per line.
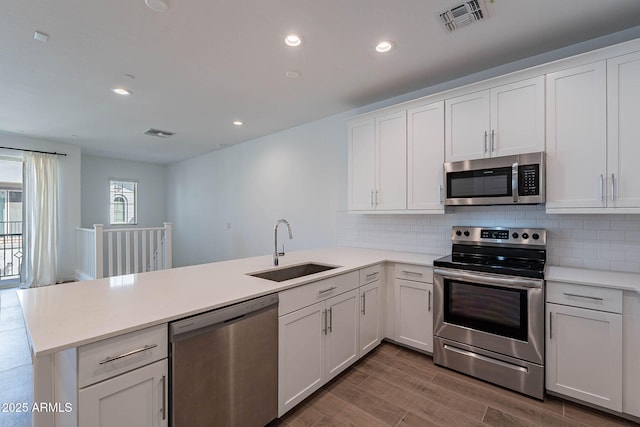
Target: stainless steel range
489	306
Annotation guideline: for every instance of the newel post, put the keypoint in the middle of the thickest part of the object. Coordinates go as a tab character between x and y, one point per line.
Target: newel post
98	229
167	245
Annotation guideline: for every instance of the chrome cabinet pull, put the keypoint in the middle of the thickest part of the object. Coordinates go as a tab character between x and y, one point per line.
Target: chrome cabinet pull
613	187
602	188
324	291
330	320
371	198
493	138
364	304
376	197
441	201
129	353
370	275
429	300
416	273
324	322
164	397
485	141
583	296
550	325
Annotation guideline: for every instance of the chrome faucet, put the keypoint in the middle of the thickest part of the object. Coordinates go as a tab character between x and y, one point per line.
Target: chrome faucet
276	254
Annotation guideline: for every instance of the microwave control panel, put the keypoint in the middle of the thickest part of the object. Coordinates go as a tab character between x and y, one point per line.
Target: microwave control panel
529	180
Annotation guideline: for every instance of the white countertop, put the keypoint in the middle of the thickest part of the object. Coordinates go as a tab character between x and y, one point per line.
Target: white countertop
73	314
603	279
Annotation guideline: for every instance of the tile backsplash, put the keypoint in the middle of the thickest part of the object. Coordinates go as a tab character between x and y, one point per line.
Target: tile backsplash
603	242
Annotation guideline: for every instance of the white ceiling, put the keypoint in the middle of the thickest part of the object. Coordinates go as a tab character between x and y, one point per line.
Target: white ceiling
205	63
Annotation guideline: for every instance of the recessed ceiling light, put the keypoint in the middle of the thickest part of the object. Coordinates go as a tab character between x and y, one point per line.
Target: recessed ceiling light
157	5
384	46
41	37
293	74
121	91
293	40
238	123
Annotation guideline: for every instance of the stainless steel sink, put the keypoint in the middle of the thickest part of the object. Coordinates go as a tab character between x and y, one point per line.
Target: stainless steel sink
293	272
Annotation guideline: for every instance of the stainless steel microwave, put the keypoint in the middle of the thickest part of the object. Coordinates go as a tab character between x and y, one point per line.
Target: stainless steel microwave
507	180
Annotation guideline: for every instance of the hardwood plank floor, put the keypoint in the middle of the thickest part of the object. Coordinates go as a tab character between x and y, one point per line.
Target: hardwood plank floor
395	386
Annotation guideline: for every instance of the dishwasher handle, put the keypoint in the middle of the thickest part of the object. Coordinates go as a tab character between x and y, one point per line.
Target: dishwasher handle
200	323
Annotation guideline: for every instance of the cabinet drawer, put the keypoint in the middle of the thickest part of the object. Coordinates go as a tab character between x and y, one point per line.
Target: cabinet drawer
417	273
370	274
592	297
304	295
114	356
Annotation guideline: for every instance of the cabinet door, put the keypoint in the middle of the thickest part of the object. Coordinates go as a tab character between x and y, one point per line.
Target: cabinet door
623	104
362	165
425	155
631	354
576	137
391	161
414	314
341	339
467	126
369	317
517	118
137	398
584	355
300	355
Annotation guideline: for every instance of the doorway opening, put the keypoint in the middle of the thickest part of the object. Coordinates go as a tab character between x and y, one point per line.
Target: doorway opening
11	241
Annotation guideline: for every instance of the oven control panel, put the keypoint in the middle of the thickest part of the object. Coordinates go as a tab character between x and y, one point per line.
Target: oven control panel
502	235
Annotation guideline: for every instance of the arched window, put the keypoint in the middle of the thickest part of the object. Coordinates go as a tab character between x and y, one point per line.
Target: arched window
122	201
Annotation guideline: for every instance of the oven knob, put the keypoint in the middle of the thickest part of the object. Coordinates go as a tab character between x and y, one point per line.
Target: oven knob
458	233
466	233
535	236
515	235
525	235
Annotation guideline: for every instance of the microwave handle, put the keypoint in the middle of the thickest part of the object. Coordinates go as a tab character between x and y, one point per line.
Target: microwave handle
514	182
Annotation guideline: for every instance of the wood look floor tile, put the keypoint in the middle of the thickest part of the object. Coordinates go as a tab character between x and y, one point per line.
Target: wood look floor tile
592	417
497	418
342	413
421	405
368	402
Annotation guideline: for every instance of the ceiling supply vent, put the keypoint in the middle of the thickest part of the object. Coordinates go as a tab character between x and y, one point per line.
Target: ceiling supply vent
159	133
462	15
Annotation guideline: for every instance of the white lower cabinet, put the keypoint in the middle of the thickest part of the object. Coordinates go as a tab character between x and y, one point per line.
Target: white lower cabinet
370	332
631	354
135	399
414	306
318	341
584	343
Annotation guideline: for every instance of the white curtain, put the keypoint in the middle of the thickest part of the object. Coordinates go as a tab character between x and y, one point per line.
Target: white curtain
40	203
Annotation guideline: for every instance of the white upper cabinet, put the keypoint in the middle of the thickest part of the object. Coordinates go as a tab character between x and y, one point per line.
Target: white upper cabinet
576	137
391	162
467	126
378	163
623	125
500	121
425	155
592	137
362	165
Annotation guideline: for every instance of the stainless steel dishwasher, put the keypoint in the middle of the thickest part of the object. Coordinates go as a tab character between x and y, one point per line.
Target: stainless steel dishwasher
224	366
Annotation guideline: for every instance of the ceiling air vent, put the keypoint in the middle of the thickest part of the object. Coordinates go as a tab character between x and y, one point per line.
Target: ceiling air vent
462	15
159	133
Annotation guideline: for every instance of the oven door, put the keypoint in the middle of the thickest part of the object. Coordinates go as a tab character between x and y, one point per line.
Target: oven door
503	314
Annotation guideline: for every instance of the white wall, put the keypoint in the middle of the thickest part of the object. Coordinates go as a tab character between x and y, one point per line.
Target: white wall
96	171
299	174
68	192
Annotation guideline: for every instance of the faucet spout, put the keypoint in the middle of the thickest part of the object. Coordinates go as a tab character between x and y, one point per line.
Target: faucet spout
277	254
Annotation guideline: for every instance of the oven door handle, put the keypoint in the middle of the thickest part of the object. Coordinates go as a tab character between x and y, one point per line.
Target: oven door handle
510	282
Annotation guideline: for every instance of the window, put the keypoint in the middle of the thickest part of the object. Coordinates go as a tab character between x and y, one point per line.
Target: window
123	194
